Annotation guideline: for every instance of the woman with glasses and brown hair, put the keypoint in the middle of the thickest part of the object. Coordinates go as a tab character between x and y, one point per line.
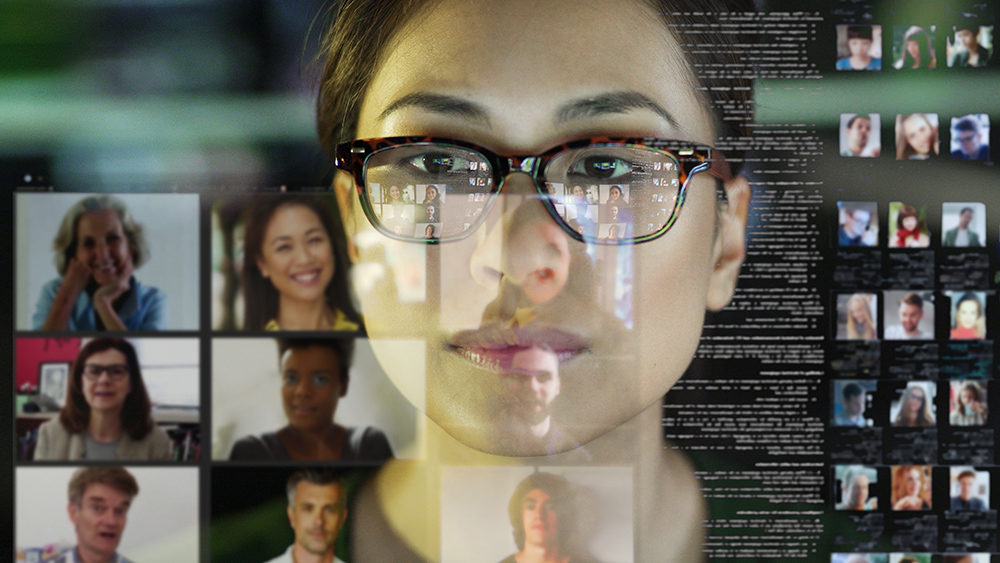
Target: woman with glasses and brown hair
107	411
432	93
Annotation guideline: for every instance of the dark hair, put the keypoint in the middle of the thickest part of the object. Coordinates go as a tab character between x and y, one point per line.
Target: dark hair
976	390
117	478
966	473
316	476
923	40
260	298
343	347
852	390
964	209
967	124
912	299
856	117
361	30
136	421
561	498
905	211
859	32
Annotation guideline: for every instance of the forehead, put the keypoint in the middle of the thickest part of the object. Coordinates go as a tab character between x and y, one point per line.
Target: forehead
104	493
292	216
311	357
509	58
536	495
102	219
110	356
312	493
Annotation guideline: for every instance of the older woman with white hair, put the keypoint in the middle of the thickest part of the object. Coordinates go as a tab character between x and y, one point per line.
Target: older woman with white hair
98	247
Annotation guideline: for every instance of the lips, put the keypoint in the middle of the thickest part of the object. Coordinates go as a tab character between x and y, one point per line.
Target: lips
310	277
303	410
493	348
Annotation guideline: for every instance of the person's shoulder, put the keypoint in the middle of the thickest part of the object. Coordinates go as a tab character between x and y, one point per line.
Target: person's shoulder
250	448
367	443
286	557
53	441
844	63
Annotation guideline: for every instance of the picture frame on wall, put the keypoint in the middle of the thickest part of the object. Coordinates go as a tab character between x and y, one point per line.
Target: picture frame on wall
52	380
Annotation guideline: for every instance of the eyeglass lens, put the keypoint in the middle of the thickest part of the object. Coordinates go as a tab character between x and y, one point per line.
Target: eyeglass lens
439	192
114	371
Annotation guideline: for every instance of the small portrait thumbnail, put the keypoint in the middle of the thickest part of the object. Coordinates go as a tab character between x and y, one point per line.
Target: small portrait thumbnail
858	223
962	223
103	262
916	136
970	489
908	226
857	315
910	558
859	47
107	513
108	399
968	315
913	47
966	558
911	487
909	315
853	485
972	45
850	400
491	514
860	135
279	262
967	403
914	408
970	137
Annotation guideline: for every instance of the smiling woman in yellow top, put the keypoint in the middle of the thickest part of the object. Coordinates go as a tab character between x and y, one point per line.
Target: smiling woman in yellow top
295	267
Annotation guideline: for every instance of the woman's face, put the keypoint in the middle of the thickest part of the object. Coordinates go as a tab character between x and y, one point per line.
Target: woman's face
296	254
615	194
432	193
915	400
913	482
540	522
918	134
910	223
394	193
858	312
311	386
519	280
913	48
968	396
104	393
968	313
103	247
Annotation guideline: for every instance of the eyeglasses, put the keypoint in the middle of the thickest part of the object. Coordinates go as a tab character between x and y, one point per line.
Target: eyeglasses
600	190
116	372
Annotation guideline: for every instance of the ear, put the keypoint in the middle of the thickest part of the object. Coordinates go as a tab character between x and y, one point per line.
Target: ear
730	243
73	512
262	267
291	519
343	189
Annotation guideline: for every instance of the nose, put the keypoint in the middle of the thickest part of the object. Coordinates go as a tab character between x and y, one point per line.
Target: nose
523	248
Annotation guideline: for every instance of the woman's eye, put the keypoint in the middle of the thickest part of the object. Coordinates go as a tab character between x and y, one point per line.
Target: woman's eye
291	379
602	167
87	243
316	240
283	248
321	380
438	163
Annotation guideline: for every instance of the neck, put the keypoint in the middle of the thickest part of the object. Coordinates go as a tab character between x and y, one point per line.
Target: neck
105	427
301	555
539	553
542	428
302	315
90	556
665	499
856	149
317	434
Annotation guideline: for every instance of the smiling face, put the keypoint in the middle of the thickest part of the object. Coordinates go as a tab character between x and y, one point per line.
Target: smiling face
909	317
311	386
918	134
105	393
296	254
394	193
967	314
318	513
101	246
520	280
99	519
540	521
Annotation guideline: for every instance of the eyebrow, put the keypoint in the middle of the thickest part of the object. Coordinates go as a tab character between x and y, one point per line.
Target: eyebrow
585	108
281	238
